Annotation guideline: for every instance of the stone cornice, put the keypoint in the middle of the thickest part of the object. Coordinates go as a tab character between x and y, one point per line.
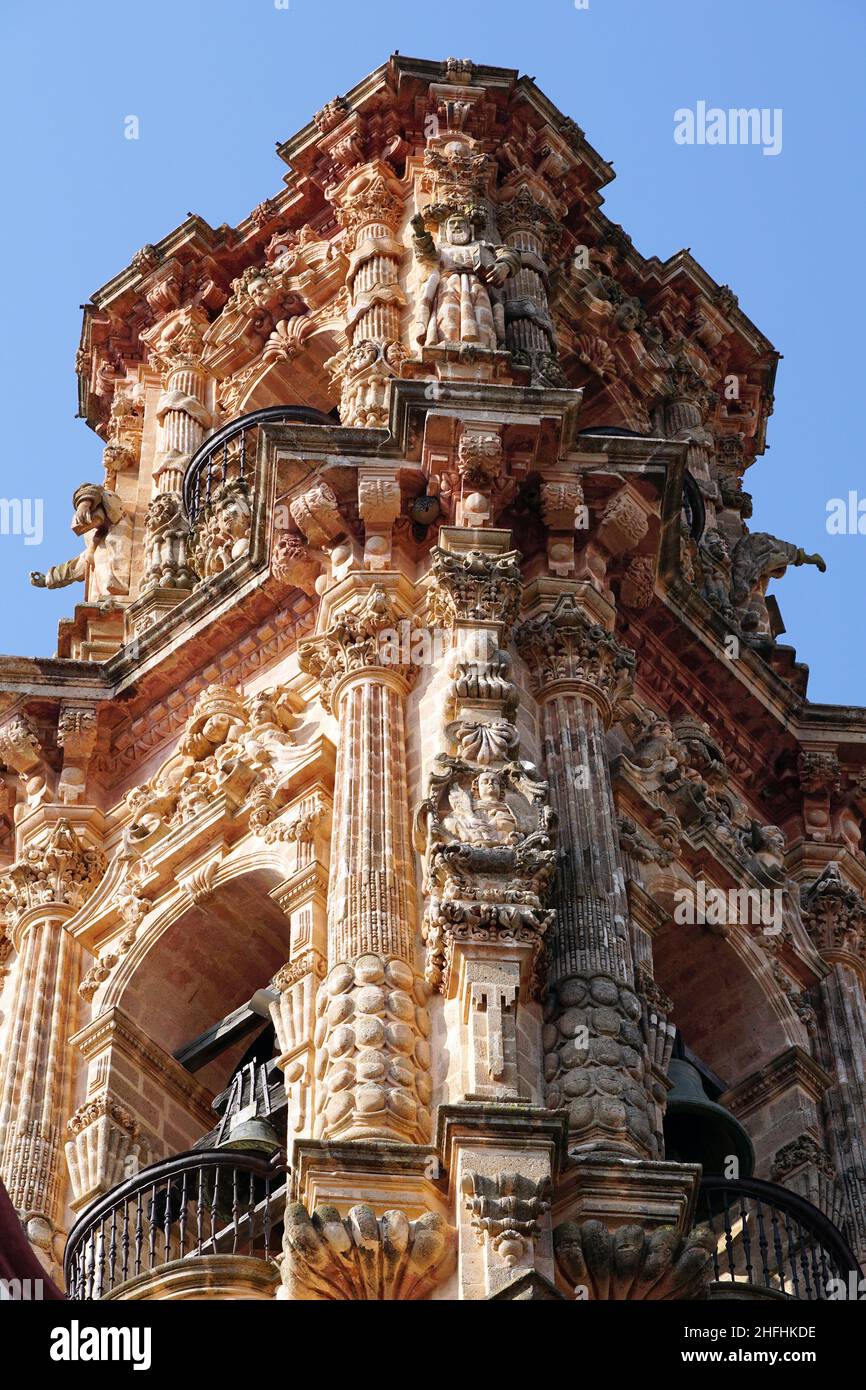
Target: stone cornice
114	1028
791	1067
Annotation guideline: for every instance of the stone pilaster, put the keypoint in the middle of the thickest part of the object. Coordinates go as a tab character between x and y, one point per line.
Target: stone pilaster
485	829
835	916
595	1056
38	894
372	1054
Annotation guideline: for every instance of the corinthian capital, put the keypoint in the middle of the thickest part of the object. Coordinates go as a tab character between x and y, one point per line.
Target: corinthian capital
365	639
371	194
474	587
566	646
835	917
58	871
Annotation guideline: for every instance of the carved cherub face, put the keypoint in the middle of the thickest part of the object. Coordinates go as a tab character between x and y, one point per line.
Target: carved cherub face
216	729
488	787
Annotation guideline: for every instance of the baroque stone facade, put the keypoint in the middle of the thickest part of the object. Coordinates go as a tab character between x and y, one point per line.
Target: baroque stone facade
421	801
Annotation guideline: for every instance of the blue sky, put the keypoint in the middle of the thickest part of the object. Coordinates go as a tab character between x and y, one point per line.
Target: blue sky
214	86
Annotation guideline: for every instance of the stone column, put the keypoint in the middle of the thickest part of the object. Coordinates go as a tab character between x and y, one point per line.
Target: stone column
372	1054
369	206
835	916
183	418
529	333
37	895
595	1055
686	406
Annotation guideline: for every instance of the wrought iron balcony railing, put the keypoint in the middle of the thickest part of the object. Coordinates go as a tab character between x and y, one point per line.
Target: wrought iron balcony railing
221	1202
230	453
773	1240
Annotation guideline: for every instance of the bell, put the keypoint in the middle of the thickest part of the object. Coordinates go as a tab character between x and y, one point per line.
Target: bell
698	1130
255	1134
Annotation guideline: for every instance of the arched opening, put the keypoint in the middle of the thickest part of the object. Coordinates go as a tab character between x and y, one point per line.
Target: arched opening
207	963
720	1008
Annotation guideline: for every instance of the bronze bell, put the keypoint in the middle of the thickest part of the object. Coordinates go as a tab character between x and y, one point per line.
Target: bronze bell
698	1130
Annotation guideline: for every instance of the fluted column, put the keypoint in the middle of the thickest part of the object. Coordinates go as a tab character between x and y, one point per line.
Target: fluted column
372	1054
38	894
371	899
835	916
595	1059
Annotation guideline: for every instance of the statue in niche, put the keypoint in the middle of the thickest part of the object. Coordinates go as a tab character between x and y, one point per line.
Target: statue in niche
486	832
483	817
462	300
101	518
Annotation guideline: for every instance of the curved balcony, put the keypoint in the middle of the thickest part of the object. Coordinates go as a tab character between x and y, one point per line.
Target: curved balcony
771	1242
230	453
202	1221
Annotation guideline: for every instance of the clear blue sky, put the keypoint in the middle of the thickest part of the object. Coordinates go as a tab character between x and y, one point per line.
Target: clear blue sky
215	84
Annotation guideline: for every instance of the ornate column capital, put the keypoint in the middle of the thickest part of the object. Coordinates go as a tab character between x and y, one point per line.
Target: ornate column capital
835	918
566	651
58	872
358	643
475	586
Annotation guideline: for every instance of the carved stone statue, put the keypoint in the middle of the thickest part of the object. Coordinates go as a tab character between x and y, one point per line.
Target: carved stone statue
462	299
758	558
101	518
487	839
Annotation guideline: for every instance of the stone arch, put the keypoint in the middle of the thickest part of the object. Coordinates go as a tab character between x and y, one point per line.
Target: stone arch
201	959
727	1004
199	955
